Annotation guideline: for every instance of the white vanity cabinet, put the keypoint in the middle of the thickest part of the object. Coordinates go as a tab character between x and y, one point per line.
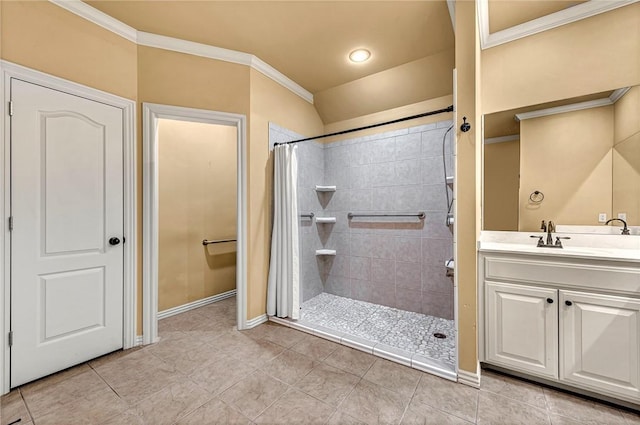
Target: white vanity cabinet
571	321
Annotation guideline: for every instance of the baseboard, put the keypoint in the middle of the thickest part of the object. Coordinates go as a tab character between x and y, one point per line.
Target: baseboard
195	304
252	323
138	341
469	378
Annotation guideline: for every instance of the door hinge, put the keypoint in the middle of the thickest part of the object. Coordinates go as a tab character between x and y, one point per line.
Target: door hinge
10	108
10	338
11	223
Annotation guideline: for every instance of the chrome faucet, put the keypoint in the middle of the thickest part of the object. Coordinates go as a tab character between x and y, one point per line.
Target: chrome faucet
625	229
550	229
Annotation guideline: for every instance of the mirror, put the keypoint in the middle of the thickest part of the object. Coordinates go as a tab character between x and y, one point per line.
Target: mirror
569	161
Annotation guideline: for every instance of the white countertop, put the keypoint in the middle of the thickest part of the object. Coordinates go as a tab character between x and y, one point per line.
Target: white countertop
590	246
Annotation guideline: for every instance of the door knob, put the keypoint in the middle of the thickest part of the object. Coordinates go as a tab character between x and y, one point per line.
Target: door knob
550	300
114	241
568	302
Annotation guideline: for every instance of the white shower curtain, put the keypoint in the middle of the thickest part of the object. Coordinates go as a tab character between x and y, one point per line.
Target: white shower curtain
283	291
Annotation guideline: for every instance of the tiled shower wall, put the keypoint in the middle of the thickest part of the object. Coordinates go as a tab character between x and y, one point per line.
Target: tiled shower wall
397	262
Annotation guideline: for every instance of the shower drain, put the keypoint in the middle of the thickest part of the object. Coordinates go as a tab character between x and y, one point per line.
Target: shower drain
439	335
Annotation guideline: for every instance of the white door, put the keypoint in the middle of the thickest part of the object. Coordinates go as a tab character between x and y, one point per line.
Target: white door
600	343
522	328
66	242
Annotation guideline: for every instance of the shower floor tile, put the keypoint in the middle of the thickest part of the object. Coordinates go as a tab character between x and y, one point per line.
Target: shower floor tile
404	330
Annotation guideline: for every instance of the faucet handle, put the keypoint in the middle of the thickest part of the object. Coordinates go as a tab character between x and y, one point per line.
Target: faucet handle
540	240
558	243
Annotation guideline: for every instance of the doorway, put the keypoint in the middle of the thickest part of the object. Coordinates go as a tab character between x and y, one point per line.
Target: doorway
194	212
197	213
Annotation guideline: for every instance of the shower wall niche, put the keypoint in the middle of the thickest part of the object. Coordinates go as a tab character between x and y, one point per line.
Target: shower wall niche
393	261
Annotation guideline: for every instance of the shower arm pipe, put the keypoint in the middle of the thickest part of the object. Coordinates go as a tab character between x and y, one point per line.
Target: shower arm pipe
338	133
421	215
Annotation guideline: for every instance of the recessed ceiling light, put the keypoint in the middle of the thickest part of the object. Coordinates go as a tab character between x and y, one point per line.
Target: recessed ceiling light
359	55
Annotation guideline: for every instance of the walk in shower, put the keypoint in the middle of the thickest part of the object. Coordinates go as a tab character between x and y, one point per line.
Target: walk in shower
375	242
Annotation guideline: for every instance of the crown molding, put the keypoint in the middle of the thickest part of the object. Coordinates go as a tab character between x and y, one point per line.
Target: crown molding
544	23
451	5
564	108
617	94
266	69
502	139
157	41
92	14
192	48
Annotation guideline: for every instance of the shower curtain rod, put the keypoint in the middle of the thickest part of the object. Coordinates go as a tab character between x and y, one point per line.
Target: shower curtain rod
412	117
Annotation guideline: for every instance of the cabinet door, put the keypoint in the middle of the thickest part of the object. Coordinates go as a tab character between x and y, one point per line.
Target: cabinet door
522	328
599	342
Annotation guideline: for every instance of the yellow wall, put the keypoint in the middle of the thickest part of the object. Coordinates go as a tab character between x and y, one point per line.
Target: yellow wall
589	56
269	102
626	156
178	79
197	200
390	115
501	183
568	158
399	86
467	178
45	37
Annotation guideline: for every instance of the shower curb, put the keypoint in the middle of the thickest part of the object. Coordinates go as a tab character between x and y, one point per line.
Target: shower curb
405	358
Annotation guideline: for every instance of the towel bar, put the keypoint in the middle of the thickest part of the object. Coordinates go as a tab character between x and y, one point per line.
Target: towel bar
421	215
206	242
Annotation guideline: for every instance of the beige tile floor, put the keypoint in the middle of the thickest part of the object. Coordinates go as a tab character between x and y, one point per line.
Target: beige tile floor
205	372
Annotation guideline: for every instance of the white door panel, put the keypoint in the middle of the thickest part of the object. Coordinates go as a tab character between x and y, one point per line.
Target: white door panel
73	197
67	202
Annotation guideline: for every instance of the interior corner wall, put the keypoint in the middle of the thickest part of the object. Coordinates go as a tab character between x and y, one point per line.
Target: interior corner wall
270	102
48	38
593	55
467	182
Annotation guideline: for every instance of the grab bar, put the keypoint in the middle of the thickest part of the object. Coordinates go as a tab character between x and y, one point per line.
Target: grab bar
310	215
421	215
206	242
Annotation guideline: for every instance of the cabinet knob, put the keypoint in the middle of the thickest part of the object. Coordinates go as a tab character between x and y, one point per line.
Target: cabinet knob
550	300
568	302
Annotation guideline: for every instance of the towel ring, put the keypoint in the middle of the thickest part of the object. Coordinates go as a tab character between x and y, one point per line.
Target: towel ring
536	197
